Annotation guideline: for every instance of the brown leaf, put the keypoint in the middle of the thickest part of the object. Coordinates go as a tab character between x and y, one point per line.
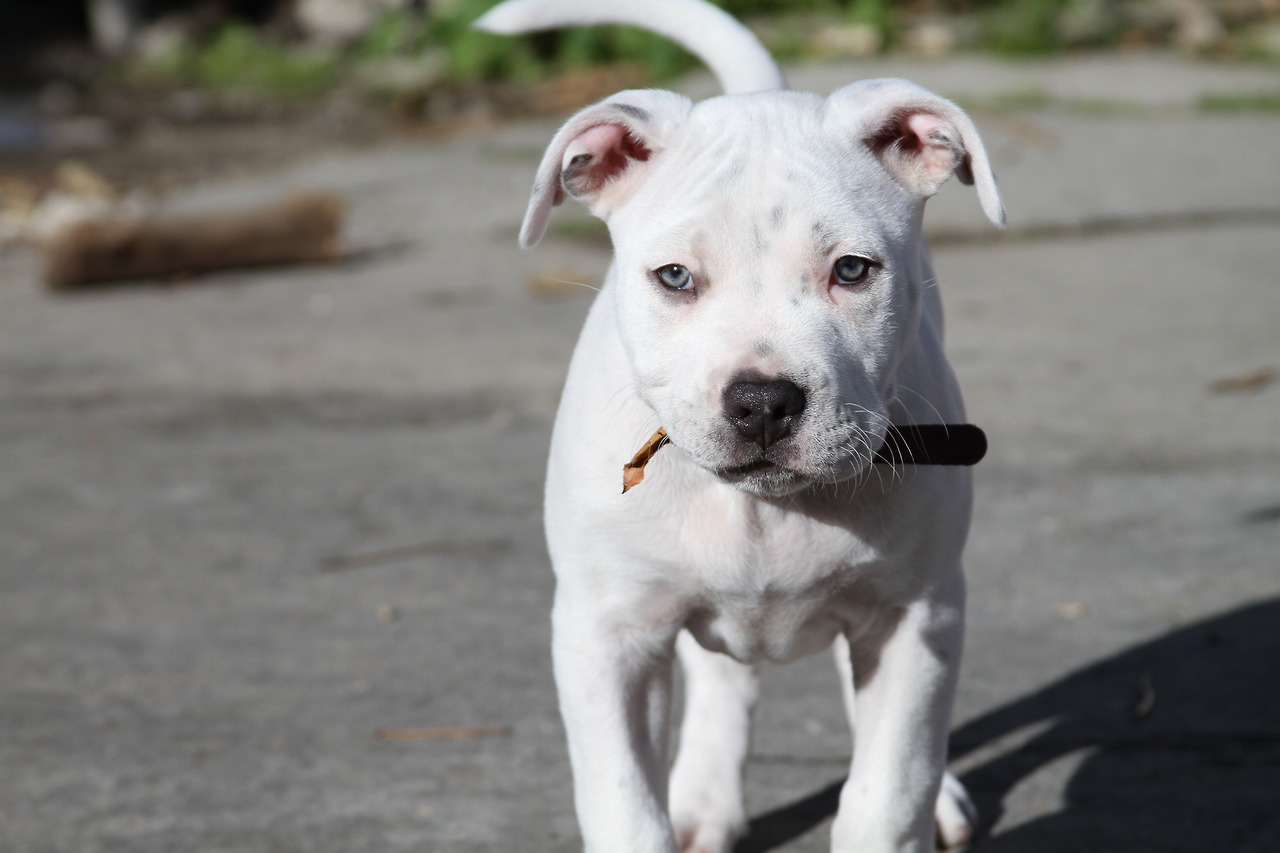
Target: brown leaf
633	471
1069	609
1249	381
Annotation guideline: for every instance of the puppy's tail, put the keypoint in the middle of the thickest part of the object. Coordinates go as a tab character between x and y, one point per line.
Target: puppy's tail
727	47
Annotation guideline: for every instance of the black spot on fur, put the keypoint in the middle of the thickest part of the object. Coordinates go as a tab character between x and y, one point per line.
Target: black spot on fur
633	112
758	242
824	236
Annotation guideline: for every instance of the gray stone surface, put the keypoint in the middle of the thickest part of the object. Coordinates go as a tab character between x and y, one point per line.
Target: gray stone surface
248	521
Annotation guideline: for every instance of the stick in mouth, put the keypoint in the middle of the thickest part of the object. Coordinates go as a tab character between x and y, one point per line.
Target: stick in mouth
926	444
933	444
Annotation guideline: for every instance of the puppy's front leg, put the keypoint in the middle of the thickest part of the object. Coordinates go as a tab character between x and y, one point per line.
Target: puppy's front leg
707	808
614	680
905	683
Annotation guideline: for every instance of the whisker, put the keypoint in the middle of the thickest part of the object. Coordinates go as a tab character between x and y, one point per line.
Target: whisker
922	398
860	444
568	281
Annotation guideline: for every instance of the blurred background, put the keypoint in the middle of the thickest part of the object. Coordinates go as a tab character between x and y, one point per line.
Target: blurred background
98	79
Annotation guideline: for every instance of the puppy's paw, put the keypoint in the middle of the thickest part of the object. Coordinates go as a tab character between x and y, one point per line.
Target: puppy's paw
954	814
705	837
703	825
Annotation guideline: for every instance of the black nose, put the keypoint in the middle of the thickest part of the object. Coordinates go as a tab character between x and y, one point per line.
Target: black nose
762	410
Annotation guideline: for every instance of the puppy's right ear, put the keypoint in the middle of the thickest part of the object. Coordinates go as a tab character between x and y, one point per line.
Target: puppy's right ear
602	154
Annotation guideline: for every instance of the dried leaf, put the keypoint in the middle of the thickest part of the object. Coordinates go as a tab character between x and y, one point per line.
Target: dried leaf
1069	609
1250	381
633	471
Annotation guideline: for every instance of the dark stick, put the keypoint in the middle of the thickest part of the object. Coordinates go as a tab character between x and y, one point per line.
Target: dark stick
933	444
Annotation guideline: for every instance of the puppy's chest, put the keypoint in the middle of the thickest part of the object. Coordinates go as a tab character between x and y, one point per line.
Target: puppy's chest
771	624
779	594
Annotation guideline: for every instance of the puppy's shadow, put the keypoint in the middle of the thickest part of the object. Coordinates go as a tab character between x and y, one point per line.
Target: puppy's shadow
1180	739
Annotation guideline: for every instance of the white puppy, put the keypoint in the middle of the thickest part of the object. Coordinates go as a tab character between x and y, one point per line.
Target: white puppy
772	306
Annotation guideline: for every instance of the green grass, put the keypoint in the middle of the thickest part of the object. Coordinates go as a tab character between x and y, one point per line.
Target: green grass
241	58
1035	99
583	230
238	58
1255	102
1023	27
1030	98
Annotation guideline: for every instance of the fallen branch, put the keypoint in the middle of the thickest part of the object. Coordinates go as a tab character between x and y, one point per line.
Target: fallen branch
303	228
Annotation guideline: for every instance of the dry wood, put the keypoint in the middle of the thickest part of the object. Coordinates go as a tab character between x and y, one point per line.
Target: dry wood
303	228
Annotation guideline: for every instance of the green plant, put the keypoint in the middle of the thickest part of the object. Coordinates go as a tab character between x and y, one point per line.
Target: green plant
238	58
1024	27
472	55
665	58
398	32
1252	102
874	13
1028	98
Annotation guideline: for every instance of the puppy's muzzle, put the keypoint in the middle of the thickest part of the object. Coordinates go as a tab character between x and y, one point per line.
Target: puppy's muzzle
763	411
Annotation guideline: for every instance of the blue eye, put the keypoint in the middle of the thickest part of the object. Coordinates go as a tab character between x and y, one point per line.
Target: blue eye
675	277
851	270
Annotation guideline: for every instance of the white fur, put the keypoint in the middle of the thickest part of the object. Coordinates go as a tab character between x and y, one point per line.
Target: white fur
757	195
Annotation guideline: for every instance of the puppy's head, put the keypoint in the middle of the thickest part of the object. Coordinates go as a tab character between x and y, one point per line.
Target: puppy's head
768	261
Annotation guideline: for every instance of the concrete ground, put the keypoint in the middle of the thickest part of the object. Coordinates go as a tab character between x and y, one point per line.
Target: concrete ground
249	521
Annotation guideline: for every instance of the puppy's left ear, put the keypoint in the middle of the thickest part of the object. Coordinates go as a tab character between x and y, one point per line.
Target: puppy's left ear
920	138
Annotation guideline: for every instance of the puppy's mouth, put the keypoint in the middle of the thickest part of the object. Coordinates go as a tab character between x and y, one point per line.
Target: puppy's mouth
746	469
785	467
762	475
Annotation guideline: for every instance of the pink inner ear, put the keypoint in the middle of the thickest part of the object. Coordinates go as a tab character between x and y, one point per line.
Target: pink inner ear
598	155
936	143
921	148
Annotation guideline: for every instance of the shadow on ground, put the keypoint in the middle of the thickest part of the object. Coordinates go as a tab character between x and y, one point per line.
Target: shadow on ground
1181	738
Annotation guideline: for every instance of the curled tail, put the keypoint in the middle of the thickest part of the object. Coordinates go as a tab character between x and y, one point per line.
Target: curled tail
727	47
